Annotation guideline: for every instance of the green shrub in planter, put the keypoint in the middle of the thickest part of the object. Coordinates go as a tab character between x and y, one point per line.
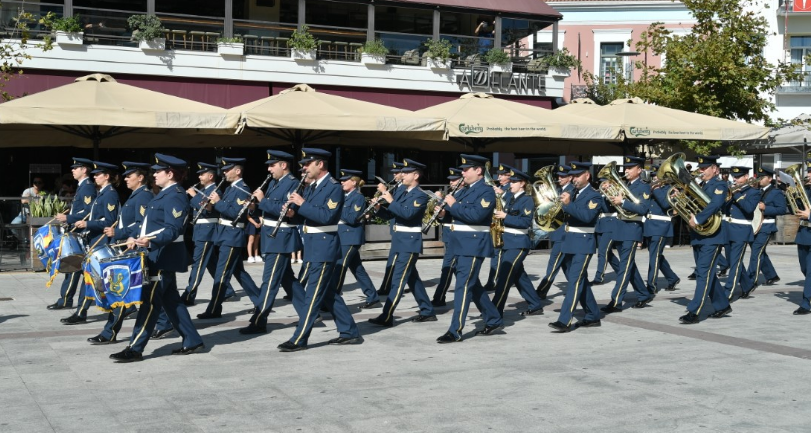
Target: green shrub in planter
63	24
563	59
375	48
438	49
234	40
302	40
145	27
496	56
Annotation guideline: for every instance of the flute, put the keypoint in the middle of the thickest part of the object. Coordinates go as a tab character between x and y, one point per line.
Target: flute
251	200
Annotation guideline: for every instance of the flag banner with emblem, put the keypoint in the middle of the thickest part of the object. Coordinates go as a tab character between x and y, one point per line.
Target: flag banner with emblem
46	243
93	287
123	280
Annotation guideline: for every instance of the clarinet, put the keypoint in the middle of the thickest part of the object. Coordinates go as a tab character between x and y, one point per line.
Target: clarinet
439	207
205	203
250	201
285	208
375	202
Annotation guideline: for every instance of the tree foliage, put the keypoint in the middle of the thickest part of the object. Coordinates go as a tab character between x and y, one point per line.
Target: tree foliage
13	50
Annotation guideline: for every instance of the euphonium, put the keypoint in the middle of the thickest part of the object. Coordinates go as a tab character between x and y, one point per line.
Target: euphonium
796	196
548	208
692	198
615	186
496	224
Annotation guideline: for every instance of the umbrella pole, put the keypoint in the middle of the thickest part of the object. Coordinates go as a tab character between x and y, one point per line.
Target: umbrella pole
96	143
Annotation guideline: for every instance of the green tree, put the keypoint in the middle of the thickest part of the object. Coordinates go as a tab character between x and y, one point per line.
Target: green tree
13	50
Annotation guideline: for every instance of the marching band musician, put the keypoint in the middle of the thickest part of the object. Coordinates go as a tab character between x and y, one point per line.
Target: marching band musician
277	250
773	204
103	214
79	209
503	178
351	234
581	207
658	231
803	241
707	248
385	285
162	234
405	213
555	255
449	259
129	225
605	244
472	213
320	206
739	214
517	215
627	234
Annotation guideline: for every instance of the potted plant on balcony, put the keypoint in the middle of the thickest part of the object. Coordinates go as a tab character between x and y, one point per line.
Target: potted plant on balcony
68	30
374	53
438	55
561	63
498	60
230	46
302	44
148	31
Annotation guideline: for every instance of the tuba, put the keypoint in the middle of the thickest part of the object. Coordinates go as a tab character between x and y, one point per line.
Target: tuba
615	186
796	197
548	208
693	199
496	225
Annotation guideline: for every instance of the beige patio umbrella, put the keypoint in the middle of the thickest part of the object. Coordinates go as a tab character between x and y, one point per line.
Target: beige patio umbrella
96	107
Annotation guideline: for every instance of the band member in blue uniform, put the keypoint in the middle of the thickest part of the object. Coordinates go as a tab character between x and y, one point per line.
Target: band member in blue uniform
581	208
135	176
79	209
320	206
517	215
405	213
555	254
739	211
352	237
627	234
278	249
772	204
472	213
449	259
103	214
161	234
385	285
803	241
503	179
708	247
605	244
658	231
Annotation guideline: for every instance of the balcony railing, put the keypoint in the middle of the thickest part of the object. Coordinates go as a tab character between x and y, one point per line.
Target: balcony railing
800	86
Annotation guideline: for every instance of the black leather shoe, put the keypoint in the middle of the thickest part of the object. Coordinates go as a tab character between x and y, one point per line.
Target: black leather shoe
689	319
100	339
421	318
287	298
771	281
560	327
207	315
721	313
379	321
488	330
748	293
543	288
489	287
722	272
232	298
588	324
344	340
160	334
383	292
127	355
370	305
439	302
288	346
801	312
56	306
185	299
252	311
692	276
448	338
596	282
535	312
73	320
640	304
188	350
610	308
250	329
672	287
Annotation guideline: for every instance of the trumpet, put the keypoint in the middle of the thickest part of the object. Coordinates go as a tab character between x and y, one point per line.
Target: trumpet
752	182
205	203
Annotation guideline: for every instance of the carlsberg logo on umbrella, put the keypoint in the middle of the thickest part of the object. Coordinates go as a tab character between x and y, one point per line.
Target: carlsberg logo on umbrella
639	132
470	129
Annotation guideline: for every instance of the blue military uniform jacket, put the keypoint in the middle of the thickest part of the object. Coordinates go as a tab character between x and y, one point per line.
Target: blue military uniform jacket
233	199
631	230
560	233
287	238
349	231
103	213
606	224
474	206
775	203
804	233
132	214
82	201
166	217
205	229
742	207
322	207
520	211
659	206
406	211
582	213
716	190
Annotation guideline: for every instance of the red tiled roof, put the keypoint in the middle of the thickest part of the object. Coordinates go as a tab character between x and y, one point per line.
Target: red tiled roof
523	7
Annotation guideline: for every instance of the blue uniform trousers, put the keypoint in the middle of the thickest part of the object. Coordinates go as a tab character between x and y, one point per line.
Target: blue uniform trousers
351	261
445	276
229	263
511	271
707	283
86	299
277	271
723	263
68	290
578	289
657	262
738	273
605	256
759	260
319	292
405	265
495	263
555	261
114	321
804	254
468	287
628	272
385	285
157	296
203	253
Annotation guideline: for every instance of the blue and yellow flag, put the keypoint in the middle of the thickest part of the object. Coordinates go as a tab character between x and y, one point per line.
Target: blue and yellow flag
123	280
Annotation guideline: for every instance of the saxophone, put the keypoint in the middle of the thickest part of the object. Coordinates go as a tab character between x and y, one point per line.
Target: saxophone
496	225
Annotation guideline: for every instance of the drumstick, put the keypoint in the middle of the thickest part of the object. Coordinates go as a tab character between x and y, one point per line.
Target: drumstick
121	244
85	217
102	235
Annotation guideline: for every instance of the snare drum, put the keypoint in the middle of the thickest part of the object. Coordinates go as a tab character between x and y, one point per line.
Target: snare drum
93	268
71	253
